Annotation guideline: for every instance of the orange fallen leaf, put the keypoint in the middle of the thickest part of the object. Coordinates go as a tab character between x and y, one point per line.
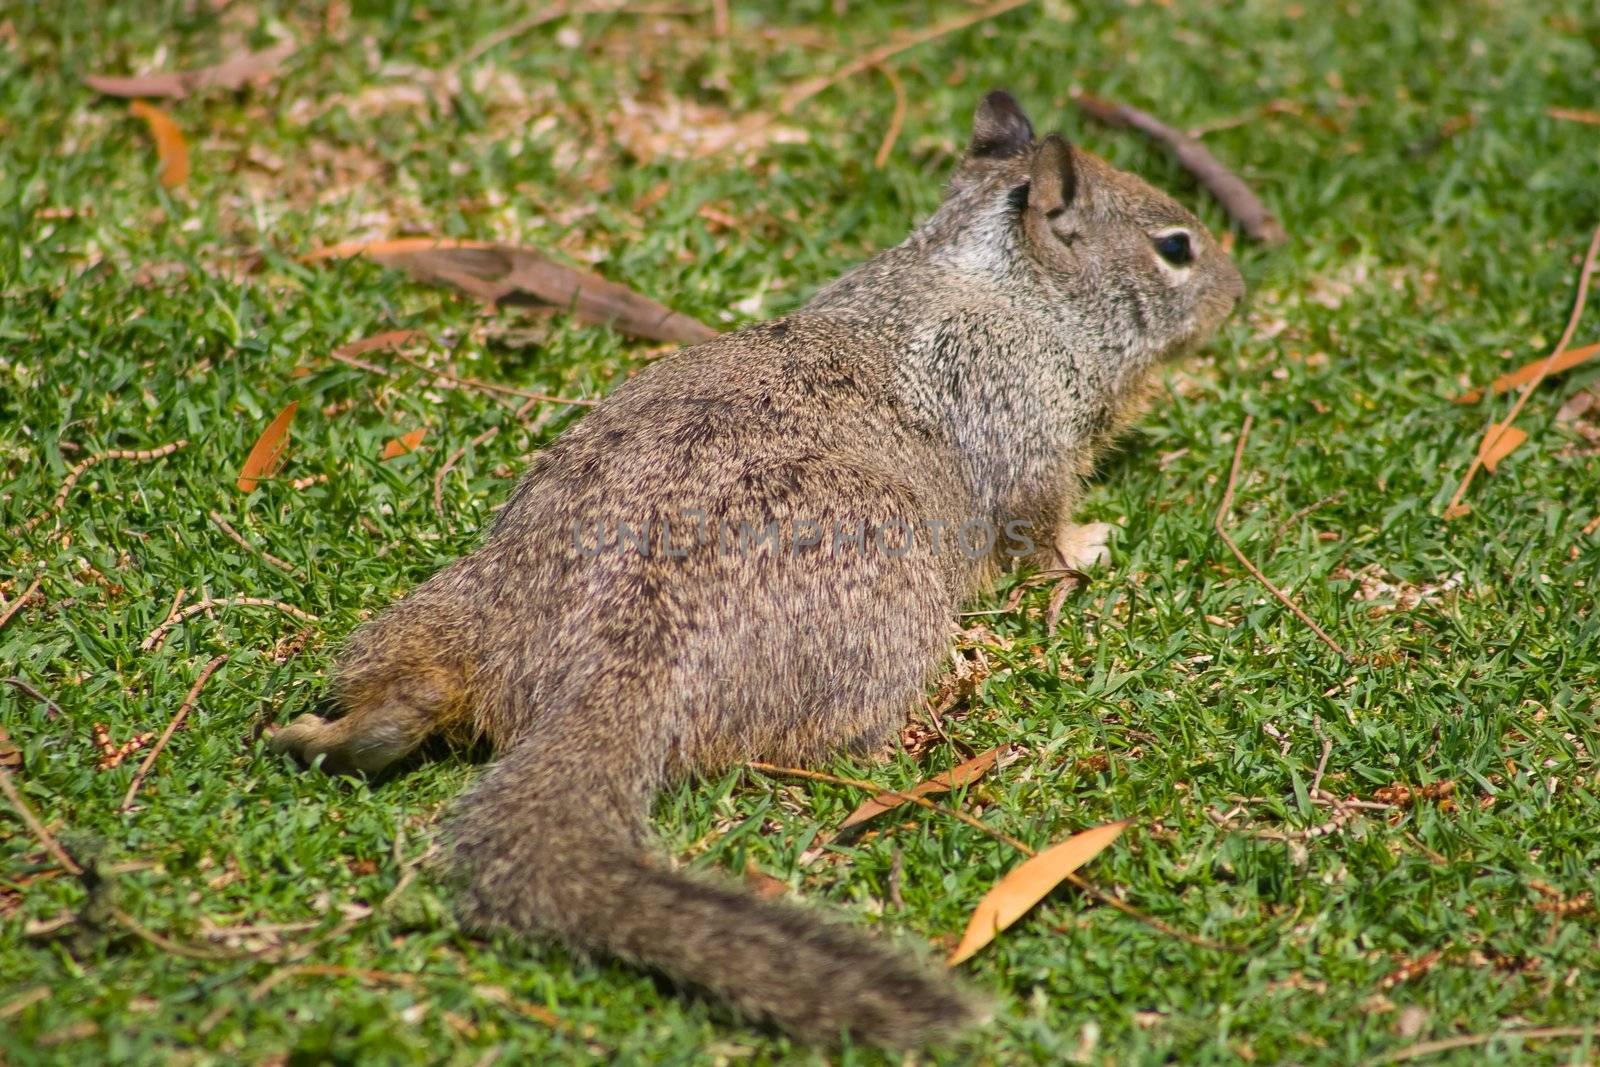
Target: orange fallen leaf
1529	371
954	778
403	444
1498	443
171	148
266	456
1574	115
1028	884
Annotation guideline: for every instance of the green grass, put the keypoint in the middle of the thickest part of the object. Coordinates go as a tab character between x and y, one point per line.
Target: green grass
1174	684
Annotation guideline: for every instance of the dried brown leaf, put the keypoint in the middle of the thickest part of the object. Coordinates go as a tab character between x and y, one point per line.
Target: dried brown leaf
230	74
171	149
1498	443
387	339
956	777
762	884
1574	115
404	444
1029	883
504	273
1529	371
267	454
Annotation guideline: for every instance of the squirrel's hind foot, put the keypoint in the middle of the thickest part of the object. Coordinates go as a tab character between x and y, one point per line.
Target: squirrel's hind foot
364	741
1084	547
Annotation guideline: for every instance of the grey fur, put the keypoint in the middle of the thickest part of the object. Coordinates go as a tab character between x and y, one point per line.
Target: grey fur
972	372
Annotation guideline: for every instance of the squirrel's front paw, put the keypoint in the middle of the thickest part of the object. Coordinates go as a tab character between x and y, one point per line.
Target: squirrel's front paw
1084	547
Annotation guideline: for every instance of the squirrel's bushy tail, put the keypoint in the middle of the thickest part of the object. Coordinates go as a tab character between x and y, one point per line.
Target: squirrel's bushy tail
554	842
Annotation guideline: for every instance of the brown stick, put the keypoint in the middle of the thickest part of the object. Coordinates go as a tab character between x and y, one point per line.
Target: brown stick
530	22
25	1000
1222	532
999	835
160	632
494	387
166	944
1454	509
450	464
1237	198
238	539
1539	1033
16	605
77	472
51	845
172	726
896	121
52	709
803	91
1283	527
328	970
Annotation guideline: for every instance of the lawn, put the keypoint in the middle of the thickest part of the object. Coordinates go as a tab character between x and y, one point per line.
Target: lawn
243	911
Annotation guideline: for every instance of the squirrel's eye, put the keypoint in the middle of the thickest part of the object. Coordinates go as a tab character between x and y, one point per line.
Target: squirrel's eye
1175	249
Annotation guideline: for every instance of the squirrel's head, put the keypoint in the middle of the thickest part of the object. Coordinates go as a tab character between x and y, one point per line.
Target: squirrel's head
1112	245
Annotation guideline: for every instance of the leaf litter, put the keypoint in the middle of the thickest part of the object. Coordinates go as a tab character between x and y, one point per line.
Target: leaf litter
231	74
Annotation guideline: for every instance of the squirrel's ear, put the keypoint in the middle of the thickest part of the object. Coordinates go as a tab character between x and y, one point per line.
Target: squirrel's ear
1000	128
1053	178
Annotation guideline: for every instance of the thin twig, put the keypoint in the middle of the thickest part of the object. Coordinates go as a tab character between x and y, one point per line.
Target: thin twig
805	90
165	944
889	794
530	22
166	735
51	845
495	387
1283	527
238	539
52	709
999	835
1322	763
1237	198
450	464
720	20
1454	509
329	970
16	605
896	121
160	632
291	958
1222	532
83	465
1446	1044
25	1000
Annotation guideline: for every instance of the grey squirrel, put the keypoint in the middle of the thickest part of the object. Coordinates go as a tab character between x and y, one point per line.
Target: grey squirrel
756	548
